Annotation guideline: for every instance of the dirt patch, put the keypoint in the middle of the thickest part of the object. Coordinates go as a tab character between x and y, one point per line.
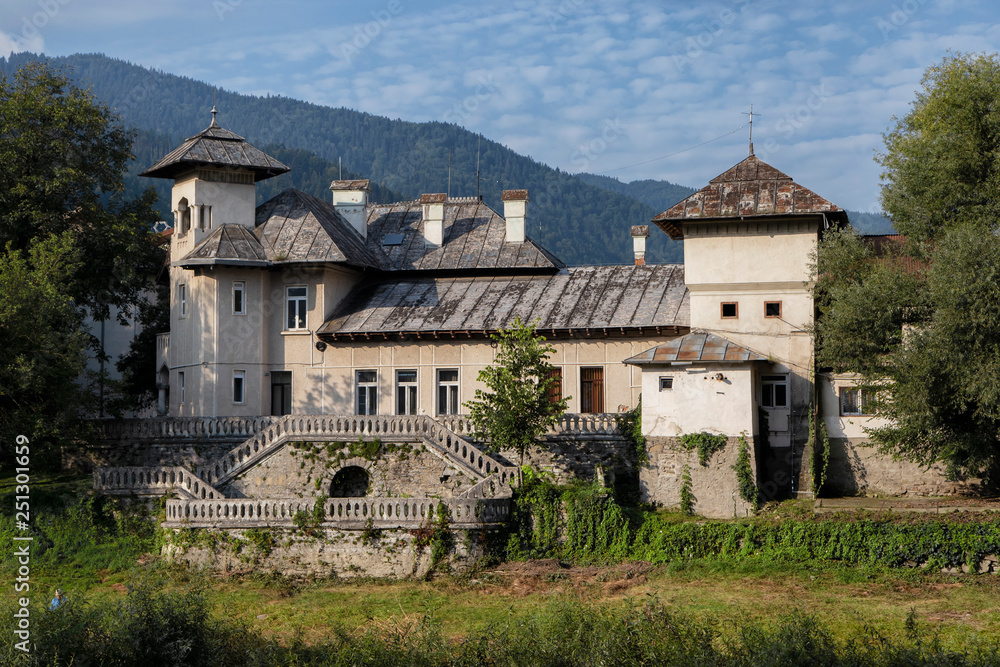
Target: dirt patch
541	576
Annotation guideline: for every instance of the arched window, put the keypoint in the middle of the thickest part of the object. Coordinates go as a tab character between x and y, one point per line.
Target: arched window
350	482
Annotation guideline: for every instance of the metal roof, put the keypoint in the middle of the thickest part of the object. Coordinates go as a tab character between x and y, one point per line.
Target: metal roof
291	227
601	300
474	239
218	147
750	188
695	347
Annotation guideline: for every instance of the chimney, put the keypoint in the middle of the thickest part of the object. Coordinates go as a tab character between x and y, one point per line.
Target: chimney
515	212
350	198
433	205
639	235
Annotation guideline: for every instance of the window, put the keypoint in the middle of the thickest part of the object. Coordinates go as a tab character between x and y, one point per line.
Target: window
239	389
367	386
774	391
406	392
281	393
239	302
206	217
592	389
182	299
555	387
730	311
296	297
772	309
666	382
180	385
447	389
855	401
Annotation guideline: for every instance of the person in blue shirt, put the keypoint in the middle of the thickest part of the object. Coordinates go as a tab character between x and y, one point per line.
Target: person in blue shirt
57	600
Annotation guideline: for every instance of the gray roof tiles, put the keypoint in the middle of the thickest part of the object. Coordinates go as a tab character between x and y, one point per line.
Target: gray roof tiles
218	147
573	299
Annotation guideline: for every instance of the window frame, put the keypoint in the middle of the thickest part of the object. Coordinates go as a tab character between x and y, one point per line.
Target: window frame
669	381
453	394
368	389
180	385
768	303
240	384
182	300
736	308
408	391
864	396
595	396
240	287
774	381
302	305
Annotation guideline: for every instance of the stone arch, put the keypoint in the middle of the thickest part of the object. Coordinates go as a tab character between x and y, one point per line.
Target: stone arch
350	482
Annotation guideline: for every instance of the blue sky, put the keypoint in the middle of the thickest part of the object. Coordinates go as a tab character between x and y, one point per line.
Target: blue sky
620	88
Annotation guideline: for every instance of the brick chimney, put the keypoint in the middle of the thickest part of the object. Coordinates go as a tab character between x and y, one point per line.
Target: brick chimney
350	198
433	205
515	212
639	235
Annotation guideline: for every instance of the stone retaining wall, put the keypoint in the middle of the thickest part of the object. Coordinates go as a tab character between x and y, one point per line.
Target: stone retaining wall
855	469
329	553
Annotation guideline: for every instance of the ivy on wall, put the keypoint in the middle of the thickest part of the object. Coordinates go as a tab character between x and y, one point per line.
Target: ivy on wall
706	445
744	473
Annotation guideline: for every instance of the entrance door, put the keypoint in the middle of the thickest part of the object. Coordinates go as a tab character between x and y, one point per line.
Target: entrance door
592	389
281	393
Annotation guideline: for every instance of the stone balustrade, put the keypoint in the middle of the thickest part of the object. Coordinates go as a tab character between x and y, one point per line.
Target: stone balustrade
152	481
598	423
352	427
190	428
339	512
499	484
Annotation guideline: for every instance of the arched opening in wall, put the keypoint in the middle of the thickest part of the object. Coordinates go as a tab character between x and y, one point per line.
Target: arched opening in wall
183	216
350	482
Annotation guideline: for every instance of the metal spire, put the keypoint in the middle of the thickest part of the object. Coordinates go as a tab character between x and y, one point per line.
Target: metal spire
751	115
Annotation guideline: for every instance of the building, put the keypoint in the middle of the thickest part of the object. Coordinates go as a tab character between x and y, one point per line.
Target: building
348	307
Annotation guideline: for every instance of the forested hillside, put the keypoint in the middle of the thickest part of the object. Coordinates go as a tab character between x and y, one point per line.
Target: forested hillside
581	223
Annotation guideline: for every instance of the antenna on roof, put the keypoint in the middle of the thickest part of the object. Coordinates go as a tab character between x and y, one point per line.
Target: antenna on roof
751	115
449	171
478	146
340	168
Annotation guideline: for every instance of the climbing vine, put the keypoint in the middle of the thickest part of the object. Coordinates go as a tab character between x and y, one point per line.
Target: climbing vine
630	428
687	496
706	444
821	447
744	473
436	534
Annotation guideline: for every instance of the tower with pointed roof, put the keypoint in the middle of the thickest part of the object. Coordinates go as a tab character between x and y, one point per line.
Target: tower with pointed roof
750	239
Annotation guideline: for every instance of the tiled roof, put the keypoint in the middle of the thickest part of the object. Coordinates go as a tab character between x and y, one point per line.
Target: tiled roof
598	300
291	227
474	238
361	184
229	244
216	146
297	227
750	188
695	347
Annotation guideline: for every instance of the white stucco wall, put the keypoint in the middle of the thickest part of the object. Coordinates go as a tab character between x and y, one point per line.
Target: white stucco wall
698	401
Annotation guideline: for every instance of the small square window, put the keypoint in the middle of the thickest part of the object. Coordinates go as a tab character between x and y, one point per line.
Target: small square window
666	382
772	309
730	311
855	401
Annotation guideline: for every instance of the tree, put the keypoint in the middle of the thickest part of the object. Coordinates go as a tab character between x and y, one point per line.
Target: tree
71	244
919	319
517	407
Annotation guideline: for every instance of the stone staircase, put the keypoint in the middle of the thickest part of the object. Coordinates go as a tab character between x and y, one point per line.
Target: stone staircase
492	478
